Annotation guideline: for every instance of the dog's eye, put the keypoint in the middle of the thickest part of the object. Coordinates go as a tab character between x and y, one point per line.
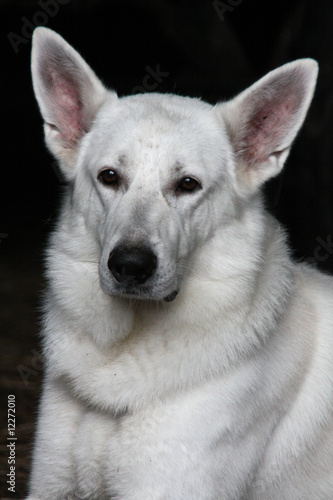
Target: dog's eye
108	177
188	184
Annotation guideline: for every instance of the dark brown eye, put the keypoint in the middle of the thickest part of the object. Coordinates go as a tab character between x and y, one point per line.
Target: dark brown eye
108	177
188	184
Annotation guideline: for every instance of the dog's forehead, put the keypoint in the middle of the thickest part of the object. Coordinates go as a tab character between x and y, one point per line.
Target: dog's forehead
155	124
170	106
156	114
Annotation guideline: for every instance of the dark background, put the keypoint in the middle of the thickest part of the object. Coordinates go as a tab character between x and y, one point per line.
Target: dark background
206	49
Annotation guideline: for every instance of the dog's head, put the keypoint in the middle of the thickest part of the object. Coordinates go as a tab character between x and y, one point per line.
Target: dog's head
155	176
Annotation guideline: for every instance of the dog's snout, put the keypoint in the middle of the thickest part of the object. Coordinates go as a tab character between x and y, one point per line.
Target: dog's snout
132	265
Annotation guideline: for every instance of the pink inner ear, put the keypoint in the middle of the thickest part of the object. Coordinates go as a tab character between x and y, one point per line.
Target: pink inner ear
270	123
68	110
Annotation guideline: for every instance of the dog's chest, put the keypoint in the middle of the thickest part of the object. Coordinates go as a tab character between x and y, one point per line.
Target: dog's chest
183	444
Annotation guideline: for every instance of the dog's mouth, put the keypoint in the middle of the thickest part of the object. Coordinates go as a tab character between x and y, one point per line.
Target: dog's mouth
141	294
138	292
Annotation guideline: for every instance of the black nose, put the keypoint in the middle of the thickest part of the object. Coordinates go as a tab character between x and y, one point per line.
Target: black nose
132	265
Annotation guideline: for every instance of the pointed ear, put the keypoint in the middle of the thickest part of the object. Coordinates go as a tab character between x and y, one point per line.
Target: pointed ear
68	93
263	121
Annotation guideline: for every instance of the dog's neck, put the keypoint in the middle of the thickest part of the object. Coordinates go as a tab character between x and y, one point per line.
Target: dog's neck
219	306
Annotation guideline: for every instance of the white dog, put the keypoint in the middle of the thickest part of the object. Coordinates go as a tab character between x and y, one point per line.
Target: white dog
187	356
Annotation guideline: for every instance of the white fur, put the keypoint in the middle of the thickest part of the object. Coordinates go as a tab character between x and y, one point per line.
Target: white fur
224	392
